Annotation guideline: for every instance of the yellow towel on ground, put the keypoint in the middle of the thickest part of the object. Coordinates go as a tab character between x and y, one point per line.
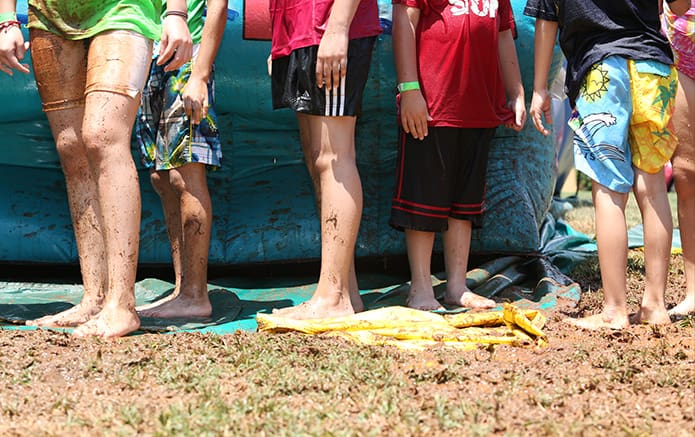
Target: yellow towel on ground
408	328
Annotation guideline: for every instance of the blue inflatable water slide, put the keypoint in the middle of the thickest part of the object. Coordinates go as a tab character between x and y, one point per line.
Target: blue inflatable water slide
262	196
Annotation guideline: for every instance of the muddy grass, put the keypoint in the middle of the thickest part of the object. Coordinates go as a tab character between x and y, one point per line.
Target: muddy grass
640	381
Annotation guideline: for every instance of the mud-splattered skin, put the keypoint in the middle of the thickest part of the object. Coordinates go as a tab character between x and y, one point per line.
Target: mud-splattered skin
89	93
182	186
329	151
311	155
188	214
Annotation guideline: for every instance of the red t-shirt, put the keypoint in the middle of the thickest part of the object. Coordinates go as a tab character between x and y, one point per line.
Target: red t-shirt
458	60
301	23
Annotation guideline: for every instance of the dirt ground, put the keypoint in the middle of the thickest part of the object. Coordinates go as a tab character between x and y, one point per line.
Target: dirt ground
637	382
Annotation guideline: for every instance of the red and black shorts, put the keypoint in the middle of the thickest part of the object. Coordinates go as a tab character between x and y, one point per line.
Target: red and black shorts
294	81
439	177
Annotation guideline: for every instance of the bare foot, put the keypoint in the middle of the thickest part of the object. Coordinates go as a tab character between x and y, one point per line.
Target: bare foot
317	308
423	300
74	316
653	317
600	321
468	299
684	308
181	306
111	322
173	295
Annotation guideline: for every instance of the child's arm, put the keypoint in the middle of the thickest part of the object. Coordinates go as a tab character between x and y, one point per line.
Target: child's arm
413	109
195	93
176	46
12	45
511	76
679	7
331	59
544	42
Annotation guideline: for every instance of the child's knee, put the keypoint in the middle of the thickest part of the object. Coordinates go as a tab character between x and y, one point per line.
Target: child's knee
160	182
176	182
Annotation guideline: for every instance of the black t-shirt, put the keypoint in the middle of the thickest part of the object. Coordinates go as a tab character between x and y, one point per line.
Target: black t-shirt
591	30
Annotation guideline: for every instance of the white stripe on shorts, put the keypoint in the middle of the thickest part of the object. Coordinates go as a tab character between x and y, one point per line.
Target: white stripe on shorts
327	101
335	100
342	97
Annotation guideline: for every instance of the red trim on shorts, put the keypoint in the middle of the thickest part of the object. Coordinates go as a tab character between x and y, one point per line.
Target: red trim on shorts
410	211
467	205
420	205
468	212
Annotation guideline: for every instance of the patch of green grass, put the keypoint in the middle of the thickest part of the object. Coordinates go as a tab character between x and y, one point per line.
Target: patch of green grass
581	217
290	384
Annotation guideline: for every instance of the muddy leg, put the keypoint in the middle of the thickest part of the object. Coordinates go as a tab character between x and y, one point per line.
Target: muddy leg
421	293
310	156
457	242
106	132
84	211
60	72
340	211
172	217
187	189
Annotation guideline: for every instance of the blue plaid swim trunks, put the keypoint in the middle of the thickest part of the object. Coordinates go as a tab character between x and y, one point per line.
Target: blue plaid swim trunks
166	137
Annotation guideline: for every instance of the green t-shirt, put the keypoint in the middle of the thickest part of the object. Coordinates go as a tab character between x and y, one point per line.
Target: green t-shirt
80	19
195	18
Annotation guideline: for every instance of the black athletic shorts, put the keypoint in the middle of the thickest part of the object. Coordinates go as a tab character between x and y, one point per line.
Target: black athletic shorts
439	177
294	81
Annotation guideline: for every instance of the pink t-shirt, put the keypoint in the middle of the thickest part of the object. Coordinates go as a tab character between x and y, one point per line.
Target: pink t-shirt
680	31
301	23
458	60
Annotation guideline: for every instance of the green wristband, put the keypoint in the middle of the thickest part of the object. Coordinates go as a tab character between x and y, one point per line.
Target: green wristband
8	16
408	86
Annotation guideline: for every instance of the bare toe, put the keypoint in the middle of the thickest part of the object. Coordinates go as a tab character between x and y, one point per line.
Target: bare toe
600	321
71	317
423	301
652	317
684	308
109	323
316	309
468	299
181	306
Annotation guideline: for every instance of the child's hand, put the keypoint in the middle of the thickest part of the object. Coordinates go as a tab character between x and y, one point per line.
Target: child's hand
414	115
176	45
12	50
195	99
540	109
331	59
518	107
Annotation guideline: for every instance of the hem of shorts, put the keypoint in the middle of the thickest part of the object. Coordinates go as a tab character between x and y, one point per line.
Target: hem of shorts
209	166
91	33
301	111
409	227
650	169
468	124
304	111
611	187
